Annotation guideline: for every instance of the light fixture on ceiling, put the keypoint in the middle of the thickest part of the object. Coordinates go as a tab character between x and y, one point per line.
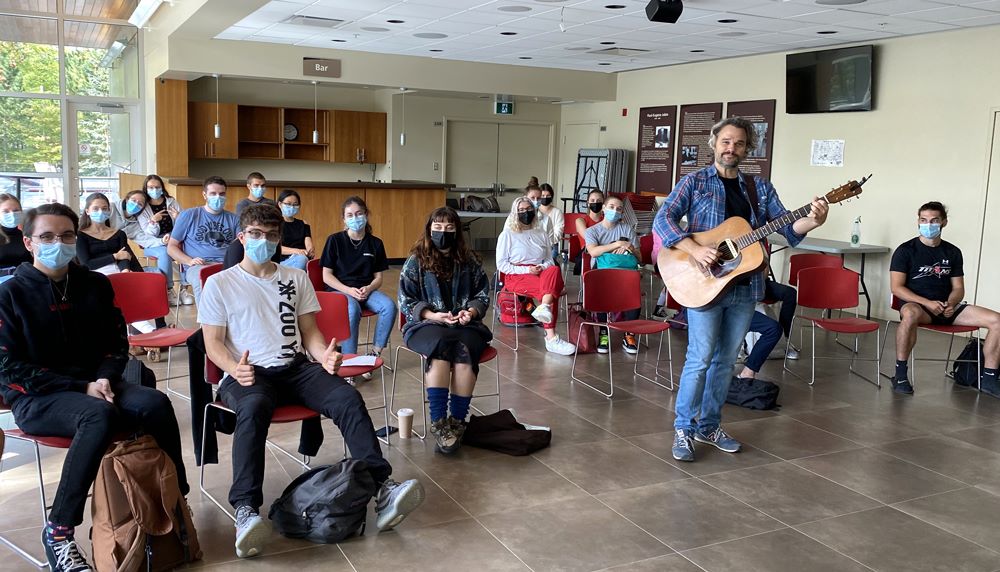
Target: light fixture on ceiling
315	114
116	49
144	10
218	127
402	104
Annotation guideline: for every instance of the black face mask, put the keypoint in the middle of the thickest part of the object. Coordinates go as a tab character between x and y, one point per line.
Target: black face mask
545	201
596	207
526	217
443	239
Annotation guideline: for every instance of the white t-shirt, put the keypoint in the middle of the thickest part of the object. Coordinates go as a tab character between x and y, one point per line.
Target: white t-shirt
260	314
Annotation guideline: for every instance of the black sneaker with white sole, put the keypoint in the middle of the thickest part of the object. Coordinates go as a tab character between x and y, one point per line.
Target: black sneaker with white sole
396	500
902	386
252	532
65	555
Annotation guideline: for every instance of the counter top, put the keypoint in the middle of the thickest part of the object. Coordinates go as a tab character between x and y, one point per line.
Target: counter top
323	184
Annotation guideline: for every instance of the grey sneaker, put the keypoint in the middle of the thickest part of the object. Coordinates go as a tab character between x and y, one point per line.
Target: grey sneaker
396	500
683	449
444	438
792	352
65	556
186	298
718	438
252	532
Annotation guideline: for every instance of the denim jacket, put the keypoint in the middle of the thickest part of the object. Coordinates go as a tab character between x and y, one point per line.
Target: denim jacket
419	291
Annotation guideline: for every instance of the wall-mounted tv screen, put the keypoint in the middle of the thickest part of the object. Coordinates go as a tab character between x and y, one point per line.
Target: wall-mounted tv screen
829	80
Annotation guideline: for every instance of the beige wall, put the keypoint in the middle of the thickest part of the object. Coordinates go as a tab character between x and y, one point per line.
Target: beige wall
928	137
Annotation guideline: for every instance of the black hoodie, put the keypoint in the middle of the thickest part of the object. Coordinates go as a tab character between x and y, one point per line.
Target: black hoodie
47	345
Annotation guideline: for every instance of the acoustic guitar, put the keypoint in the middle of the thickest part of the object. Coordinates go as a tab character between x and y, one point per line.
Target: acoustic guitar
740	253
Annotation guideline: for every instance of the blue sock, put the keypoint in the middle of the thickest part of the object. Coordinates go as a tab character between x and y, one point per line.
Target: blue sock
460	406
437	398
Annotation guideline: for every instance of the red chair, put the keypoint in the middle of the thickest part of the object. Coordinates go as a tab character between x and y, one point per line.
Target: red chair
615	290
799	262
834	289
648	266
571	243
520	321
488	355
143	296
333	322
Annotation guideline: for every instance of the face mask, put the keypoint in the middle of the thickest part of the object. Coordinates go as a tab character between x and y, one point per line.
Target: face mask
260	250
217	202
10	219
56	255
611	215
99	217
526	217
357	223
289	211
443	239
596	207
932	230
257	192
155	194
132	208
534	203
545	201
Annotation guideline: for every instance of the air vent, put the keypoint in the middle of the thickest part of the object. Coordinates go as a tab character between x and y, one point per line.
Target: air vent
625	52
313	21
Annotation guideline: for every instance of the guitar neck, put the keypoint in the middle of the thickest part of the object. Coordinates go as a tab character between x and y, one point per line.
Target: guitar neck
775	225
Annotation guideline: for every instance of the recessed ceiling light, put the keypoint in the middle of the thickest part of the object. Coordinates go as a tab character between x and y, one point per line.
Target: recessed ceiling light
728	21
607	43
577	48
604	64
615	6
838	2
374	29
827	32
338	40
697	51
508	33
524	57
514	9
436	50
732	34
431	35
395	21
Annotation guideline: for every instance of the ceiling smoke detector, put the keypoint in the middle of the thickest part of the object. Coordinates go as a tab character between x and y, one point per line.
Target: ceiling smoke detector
313	21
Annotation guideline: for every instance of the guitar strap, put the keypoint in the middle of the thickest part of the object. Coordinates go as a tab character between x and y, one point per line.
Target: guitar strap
752	191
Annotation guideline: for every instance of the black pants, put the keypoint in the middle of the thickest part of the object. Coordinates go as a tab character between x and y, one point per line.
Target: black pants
786	295
299	383
92	422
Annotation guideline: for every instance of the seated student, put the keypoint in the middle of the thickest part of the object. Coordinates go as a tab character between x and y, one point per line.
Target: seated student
524	254
256	187
444	294
202	234
353	262
100	247
926	274
613	244
259	323
595	214
157	222
554	215
62	353
12	251
769	330
534	194
296	235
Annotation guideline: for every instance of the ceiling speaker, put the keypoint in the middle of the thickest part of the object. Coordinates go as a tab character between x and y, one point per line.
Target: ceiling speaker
668	11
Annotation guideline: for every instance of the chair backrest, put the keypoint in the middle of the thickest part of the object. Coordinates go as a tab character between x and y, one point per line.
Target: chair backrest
402	320
611	290
213	373
895	302
671	303
570	234
332	318
207	271
315	272
586	262
798	262
828	288
646	249
140	295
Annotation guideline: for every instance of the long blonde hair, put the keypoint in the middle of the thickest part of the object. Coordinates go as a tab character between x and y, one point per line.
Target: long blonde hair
514	225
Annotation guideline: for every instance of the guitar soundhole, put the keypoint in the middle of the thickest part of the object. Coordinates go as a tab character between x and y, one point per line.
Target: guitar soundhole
729	259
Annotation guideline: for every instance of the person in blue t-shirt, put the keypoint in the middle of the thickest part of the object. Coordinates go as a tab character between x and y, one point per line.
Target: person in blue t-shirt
202	234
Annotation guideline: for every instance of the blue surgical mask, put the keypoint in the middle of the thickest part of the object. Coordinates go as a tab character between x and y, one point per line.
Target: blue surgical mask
155	194
56	255
535	203
260	250
257	192
99	217
357	224
611	215
217	202
10	219
930	230
132	208
289	211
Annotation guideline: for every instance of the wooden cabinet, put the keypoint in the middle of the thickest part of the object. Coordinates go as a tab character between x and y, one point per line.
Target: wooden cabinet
171	128
358	136
398	216
259	132
202	144
302	146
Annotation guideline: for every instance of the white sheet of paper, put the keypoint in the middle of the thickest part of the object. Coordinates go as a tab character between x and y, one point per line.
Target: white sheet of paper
827	153
358	361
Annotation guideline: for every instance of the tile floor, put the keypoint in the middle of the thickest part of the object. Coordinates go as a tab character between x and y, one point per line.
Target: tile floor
843	477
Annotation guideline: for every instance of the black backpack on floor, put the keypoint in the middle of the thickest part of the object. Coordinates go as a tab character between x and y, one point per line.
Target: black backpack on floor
753	393
963	369
326	504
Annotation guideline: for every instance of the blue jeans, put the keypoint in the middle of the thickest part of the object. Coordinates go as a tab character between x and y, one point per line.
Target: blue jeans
770	333
714	336
379	303
296	261
163	262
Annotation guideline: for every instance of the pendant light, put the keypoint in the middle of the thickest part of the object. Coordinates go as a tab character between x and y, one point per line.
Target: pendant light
315	115
218	127
402	131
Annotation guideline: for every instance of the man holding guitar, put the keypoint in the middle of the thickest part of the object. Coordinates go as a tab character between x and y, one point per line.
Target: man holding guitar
725	269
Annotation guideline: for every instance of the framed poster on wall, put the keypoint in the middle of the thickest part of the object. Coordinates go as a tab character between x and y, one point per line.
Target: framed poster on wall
696	123
654	161
761	114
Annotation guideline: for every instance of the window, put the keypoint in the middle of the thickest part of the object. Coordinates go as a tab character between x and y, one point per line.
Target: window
29	55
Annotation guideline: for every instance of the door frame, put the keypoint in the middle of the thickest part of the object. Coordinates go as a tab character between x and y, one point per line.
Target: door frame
71	158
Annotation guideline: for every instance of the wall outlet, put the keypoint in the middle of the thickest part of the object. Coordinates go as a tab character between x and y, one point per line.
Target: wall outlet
436	165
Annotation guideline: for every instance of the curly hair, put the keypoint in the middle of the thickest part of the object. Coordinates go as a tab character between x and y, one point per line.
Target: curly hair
443	264
739	123
261	214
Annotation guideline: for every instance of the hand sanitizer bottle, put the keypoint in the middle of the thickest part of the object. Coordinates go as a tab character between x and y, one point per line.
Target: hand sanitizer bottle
856	233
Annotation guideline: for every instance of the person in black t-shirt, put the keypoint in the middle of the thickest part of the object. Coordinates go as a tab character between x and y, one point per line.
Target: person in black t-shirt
296	235
353	262
926	274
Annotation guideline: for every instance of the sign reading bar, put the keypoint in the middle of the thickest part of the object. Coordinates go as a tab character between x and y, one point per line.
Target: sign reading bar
655	159
761	114
320	67
696	125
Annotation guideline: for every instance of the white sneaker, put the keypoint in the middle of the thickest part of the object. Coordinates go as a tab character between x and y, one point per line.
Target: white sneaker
171	298
559	346
187	298
252	532
543	314
792	353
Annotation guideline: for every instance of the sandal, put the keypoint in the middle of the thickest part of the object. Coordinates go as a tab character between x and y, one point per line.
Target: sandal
153	354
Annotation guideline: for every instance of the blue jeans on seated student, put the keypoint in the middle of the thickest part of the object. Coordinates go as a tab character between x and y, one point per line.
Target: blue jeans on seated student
770	332
715	334
379	303
163	262
296	261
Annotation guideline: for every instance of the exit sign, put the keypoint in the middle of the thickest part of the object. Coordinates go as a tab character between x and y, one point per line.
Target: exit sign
503	108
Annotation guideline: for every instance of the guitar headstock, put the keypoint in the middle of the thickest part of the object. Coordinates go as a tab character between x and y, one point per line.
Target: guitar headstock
845	191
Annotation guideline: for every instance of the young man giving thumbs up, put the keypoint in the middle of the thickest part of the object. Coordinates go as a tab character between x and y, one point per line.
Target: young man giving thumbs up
259	321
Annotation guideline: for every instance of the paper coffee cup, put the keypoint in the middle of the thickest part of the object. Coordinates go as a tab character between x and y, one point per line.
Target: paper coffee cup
405	416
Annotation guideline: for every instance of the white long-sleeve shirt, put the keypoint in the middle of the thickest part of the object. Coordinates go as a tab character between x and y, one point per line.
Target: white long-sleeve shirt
556	226
518	251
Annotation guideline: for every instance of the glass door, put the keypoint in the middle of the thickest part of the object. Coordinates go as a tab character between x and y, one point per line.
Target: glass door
102	143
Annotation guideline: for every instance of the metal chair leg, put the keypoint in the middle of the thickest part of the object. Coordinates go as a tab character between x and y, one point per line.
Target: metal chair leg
611	378
656	367
43	503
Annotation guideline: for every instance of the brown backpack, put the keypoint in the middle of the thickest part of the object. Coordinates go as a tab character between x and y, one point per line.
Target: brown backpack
140	519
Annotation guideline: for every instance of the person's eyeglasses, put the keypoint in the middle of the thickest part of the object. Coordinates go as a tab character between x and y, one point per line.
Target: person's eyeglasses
290	204
68	237
273	236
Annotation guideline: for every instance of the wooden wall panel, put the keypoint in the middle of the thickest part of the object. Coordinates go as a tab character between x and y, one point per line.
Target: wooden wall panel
171	128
